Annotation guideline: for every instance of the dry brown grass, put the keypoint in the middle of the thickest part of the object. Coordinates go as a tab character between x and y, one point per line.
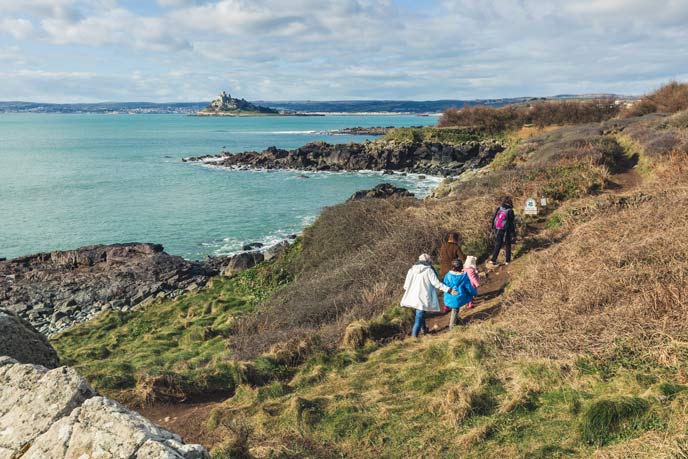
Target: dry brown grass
543	113
619	278
164	388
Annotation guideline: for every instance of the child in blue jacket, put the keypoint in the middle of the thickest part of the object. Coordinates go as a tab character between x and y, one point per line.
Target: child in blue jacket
462	284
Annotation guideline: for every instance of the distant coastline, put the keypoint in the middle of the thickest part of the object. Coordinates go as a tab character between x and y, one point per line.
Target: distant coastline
350	107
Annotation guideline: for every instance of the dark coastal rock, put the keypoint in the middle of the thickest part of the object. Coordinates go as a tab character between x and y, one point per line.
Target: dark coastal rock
430	158
20	341
242	262
252	246
382	191
56	290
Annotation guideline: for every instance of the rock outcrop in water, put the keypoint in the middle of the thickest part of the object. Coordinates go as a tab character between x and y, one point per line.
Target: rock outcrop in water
432	158
54	414
381	191
55	290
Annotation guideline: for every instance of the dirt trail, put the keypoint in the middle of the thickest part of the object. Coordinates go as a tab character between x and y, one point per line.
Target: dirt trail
189	419
485	304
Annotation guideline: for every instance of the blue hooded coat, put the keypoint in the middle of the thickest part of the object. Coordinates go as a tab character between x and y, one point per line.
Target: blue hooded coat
462	284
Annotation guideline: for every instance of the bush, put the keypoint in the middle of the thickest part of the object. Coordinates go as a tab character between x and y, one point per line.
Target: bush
352	266
670	98
545	113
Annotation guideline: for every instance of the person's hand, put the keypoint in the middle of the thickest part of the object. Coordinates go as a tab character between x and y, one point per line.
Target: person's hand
454	292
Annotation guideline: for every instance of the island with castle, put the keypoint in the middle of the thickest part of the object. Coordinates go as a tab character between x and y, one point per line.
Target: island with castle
226	105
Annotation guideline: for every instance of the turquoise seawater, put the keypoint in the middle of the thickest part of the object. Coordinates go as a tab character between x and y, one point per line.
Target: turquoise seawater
73	180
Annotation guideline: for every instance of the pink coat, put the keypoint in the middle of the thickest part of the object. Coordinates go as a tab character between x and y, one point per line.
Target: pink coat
475	281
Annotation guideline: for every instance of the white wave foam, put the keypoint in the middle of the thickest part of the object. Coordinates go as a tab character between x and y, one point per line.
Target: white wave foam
294	132
231	246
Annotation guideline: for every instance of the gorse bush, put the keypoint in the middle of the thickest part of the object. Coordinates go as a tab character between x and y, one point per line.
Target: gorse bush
497	120
670	98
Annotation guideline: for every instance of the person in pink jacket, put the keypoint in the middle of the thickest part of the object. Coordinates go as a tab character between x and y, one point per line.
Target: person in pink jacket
471	269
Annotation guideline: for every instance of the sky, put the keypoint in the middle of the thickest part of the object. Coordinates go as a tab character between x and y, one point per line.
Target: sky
190	50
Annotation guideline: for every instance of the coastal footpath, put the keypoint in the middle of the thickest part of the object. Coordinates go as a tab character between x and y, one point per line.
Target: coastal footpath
420	157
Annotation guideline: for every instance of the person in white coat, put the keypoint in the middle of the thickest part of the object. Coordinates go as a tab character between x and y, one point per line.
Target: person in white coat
420	293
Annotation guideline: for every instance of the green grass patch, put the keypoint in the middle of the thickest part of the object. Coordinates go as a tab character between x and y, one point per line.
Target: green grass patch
185	337
433	134
609	419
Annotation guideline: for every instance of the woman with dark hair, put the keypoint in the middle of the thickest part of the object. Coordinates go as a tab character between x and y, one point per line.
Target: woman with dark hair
504	226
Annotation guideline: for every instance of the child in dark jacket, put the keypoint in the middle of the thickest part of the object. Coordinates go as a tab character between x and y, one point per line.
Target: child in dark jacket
461	283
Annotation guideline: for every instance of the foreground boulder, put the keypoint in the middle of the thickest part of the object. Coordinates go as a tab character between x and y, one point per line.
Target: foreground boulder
54	414
382	191
56	290
19	340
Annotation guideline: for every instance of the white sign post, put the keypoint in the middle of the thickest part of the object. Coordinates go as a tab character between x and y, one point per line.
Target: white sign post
543	202
531	207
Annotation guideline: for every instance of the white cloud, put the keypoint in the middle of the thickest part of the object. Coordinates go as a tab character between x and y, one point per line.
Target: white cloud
115	26
278	49
19	28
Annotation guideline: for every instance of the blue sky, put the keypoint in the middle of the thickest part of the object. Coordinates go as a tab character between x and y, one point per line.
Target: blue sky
190	50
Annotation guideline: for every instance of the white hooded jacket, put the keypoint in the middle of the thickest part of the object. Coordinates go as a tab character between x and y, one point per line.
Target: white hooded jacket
420	285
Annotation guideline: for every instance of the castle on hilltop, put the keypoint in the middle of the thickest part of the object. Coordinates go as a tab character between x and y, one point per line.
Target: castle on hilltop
225	103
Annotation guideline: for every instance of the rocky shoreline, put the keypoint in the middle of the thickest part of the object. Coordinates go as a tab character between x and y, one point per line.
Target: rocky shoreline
57	290
431	158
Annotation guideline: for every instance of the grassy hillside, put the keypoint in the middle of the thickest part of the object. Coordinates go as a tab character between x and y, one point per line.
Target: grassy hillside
581	354
453	395
175	348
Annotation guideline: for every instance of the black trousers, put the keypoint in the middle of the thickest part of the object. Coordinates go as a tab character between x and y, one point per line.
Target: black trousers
503	238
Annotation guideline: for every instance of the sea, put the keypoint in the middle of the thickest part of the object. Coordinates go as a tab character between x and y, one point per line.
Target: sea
69	180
